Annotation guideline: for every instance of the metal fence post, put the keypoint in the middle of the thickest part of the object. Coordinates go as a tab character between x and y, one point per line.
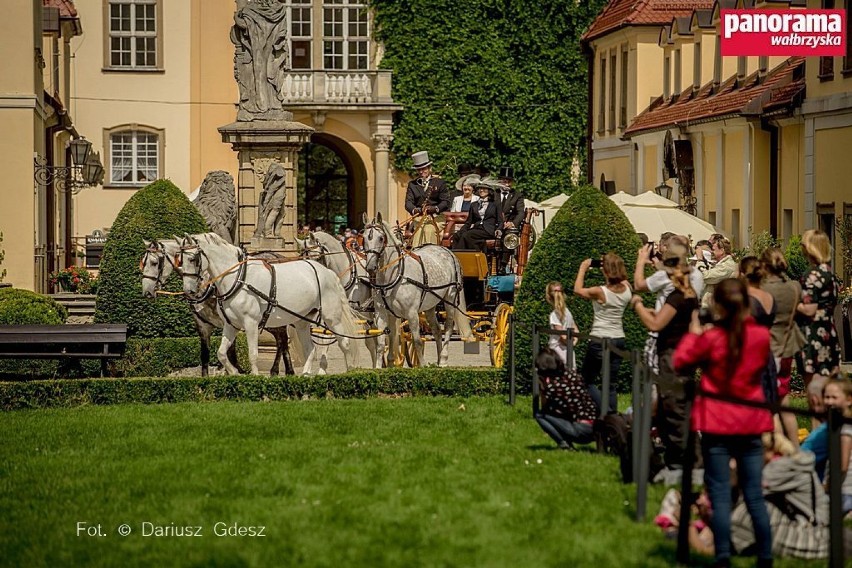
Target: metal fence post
512	377
605	379
636	403
644	444
686	479
569	345
835	505
535	348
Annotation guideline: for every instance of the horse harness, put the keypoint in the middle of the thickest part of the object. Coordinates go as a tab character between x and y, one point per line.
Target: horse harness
424	286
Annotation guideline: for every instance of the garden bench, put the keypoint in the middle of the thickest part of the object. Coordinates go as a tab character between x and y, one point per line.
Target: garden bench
81	341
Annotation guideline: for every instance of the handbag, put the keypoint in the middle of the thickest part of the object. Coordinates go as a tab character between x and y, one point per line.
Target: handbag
793	333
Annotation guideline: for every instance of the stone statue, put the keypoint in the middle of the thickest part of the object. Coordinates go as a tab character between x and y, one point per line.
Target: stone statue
271	204
261	58
217	203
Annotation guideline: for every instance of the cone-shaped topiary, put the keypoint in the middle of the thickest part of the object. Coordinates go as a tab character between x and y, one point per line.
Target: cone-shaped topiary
588	225
160	210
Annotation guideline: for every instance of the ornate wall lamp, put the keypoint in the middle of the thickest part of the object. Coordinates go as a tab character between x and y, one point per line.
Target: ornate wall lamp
86	169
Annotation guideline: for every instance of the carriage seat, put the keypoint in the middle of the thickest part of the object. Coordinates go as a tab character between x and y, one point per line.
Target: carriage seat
455	220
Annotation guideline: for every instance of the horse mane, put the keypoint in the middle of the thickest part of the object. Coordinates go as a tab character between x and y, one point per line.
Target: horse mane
328	240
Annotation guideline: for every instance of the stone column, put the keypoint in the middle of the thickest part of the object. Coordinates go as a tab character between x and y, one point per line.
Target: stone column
258	144
382	143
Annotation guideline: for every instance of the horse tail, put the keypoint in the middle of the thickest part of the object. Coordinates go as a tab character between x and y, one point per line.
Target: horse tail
460	314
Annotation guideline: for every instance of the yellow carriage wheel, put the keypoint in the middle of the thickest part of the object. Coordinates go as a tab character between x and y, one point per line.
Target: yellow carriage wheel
500	334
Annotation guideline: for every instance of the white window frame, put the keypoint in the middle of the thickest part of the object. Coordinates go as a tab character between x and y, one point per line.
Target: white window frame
303	8
346	45
133	35
136	132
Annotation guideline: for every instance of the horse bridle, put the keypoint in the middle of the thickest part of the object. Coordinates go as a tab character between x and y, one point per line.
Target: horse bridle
385	237
161	255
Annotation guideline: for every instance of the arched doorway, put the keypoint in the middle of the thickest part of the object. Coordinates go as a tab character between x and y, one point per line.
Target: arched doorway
332	184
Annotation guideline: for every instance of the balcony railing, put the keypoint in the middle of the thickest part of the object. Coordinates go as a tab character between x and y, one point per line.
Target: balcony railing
337	87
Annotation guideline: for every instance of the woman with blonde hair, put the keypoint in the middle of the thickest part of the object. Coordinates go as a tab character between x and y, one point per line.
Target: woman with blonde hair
560	319
608	301
671	322
786	338
821	352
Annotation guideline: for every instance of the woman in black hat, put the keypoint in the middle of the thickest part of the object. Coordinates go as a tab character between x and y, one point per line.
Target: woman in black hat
483	221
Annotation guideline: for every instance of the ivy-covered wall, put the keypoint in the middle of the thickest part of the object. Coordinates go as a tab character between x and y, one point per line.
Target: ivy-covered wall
489	82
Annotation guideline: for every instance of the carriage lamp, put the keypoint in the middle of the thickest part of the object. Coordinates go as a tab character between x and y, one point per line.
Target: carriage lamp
85	170
511	240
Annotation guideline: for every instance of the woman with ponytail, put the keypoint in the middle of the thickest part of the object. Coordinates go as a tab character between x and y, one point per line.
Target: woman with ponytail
671	321
732	353
560	319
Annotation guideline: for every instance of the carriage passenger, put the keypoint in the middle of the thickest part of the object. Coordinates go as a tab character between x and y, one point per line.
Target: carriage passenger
463	202
483	221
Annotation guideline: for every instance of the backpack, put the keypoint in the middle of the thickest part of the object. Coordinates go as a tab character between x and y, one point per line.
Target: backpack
612	434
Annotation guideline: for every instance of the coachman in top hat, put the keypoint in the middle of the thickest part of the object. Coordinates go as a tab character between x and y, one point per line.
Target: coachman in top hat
425	198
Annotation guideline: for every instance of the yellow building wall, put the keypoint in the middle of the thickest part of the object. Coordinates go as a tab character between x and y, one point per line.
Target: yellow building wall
791	178
760	210
733	184
212	88
651	175
20	99
710	158
832	172
649	70
106	99
615	169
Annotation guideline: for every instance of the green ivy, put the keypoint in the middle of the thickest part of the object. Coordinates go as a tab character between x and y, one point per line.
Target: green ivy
588	225
492	91
160	211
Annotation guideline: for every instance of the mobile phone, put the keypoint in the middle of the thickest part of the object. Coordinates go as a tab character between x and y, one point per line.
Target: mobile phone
653	246
596	263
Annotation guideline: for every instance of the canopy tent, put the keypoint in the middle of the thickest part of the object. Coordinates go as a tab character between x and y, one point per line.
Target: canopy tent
653	215
550	207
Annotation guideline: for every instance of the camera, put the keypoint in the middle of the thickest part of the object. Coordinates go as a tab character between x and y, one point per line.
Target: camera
705	316
653	252
596	263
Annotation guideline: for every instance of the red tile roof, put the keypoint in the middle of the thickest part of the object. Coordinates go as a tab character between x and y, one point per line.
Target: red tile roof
66	7
782	87
620	13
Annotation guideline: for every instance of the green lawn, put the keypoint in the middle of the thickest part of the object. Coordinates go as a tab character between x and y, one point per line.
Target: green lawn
376	482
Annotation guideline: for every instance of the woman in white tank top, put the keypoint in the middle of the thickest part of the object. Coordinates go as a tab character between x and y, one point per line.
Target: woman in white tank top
608	302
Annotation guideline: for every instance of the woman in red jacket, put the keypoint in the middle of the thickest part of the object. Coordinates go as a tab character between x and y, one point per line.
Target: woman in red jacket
732	354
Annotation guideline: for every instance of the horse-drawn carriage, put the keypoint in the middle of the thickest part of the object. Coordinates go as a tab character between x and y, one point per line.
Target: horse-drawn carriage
389	287
489	278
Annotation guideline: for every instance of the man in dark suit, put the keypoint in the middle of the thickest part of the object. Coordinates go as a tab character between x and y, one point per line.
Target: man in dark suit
511	200
417	202
425	199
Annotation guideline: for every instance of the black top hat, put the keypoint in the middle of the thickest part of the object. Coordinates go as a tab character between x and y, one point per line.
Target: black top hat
465	169
507	172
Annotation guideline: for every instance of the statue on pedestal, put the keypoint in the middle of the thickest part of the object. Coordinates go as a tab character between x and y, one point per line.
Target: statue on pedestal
270	207
261	58
217	203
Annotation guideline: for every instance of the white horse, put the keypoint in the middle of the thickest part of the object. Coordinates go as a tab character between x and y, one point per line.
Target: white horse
407	283
349	268
157	265
254	294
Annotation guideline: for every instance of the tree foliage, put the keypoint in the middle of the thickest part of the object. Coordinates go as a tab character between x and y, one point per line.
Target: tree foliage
158	211
493	91
797	264
588	225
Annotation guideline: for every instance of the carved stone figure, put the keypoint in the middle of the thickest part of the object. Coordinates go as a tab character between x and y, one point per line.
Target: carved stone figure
217	203
271	204
261	57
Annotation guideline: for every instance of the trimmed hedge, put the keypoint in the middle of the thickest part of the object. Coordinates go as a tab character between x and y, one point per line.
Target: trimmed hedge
463	382
797	264
588	225
22	307
160	210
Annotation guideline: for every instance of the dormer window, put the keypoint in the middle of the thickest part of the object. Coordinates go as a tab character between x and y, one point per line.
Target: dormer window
667	74
696	65
677	72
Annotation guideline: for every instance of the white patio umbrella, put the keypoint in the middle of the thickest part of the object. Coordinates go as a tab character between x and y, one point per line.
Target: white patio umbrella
653	215
550	207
